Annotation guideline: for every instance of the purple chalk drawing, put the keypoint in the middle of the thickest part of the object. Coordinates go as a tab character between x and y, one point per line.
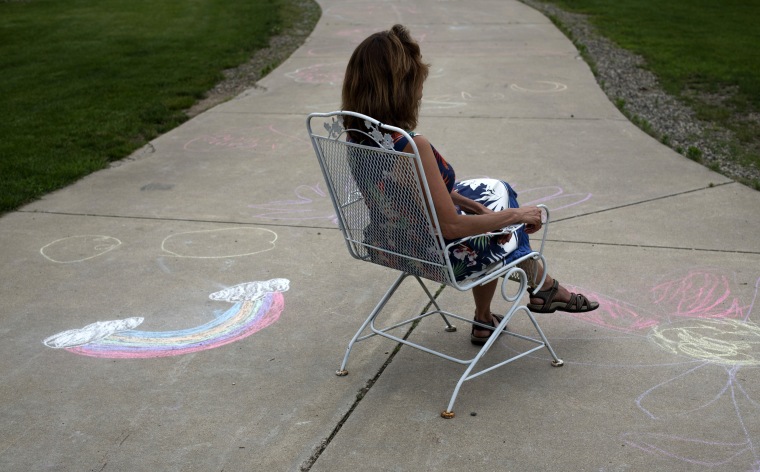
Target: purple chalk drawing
312	203
695	317
302	208
552	196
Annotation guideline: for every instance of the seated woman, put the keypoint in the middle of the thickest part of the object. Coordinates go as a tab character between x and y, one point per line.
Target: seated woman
384	80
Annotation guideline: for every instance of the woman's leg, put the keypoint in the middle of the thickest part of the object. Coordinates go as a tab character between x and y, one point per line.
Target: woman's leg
483	295
563	295
562	300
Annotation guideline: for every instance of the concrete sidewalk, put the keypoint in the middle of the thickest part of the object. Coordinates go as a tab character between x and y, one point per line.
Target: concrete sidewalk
664	376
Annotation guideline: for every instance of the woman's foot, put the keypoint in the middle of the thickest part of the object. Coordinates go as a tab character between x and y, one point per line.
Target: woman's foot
480	335
559	298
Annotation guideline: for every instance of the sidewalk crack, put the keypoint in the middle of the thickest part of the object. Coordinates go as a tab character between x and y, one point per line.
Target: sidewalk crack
307	465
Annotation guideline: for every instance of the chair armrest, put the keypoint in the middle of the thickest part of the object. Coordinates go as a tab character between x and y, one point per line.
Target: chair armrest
508	230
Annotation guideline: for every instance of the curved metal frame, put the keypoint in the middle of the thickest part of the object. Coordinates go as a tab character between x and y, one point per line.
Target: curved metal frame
381	135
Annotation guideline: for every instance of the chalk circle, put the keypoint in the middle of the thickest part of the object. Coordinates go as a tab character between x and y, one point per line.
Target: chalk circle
78	248
726	341
543	87
220	243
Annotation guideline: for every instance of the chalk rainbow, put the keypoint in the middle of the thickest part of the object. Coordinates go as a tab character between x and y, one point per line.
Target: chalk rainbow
255	306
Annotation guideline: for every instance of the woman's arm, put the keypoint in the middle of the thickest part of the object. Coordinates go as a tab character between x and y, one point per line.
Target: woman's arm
468	206
453	225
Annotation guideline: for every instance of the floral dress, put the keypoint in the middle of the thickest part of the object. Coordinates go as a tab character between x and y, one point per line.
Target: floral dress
477	256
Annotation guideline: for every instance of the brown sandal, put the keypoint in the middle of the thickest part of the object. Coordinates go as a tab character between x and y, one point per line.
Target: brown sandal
480	340
577	304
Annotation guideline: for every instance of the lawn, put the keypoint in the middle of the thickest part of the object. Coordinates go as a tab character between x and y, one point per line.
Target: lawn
86	82
703	51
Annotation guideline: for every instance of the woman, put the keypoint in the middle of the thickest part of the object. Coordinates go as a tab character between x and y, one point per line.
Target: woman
384	80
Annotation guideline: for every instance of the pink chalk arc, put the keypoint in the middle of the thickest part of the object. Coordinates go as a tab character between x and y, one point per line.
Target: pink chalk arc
243	319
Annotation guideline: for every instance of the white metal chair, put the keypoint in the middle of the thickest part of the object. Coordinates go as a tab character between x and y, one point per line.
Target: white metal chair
387	217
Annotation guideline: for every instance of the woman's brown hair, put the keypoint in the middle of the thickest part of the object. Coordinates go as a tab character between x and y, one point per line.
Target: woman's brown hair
384	79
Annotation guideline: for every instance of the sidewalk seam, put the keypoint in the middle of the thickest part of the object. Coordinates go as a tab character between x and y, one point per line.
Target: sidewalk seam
648	246
662	197
307	465
183	220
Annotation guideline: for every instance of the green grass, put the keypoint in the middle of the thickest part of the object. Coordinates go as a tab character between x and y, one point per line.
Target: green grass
704	51
86	82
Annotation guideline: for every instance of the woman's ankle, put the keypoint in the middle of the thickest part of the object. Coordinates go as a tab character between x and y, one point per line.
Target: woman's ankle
484	317
547	283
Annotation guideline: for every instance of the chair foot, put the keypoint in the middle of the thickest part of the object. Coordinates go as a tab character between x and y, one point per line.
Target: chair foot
450	329
558	363
447	414
341	373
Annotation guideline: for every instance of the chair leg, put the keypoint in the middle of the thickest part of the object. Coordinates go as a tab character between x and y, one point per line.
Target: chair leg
449	327
520	275
380	305
449	412
556	362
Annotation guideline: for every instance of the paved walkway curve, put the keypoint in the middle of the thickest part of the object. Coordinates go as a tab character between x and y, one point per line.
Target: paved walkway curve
664	376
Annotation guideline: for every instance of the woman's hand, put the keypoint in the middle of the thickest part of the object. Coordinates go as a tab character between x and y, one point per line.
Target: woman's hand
531	216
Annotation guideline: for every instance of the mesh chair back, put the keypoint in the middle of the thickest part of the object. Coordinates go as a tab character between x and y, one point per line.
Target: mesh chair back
380	196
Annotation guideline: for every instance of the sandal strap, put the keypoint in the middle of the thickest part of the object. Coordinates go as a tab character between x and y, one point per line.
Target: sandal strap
547	296
495	320
578	302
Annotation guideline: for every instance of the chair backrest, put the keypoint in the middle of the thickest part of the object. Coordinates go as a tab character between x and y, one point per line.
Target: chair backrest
380	195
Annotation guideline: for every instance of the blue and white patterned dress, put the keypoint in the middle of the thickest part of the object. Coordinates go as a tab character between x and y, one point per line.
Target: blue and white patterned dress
484	254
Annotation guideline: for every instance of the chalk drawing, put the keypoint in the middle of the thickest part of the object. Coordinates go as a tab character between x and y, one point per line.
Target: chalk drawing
312	203
541	86
729	399
614	314
91	333
256	139
552	196
715	453
220	243
331	74
464	98
443	101
256	305
695	317
302	208
729	341
78	248
378	11
699	294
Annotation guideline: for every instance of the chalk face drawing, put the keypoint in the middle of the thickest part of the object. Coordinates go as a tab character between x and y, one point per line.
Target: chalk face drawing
256	305
696	317
220	243
258	139
78	248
